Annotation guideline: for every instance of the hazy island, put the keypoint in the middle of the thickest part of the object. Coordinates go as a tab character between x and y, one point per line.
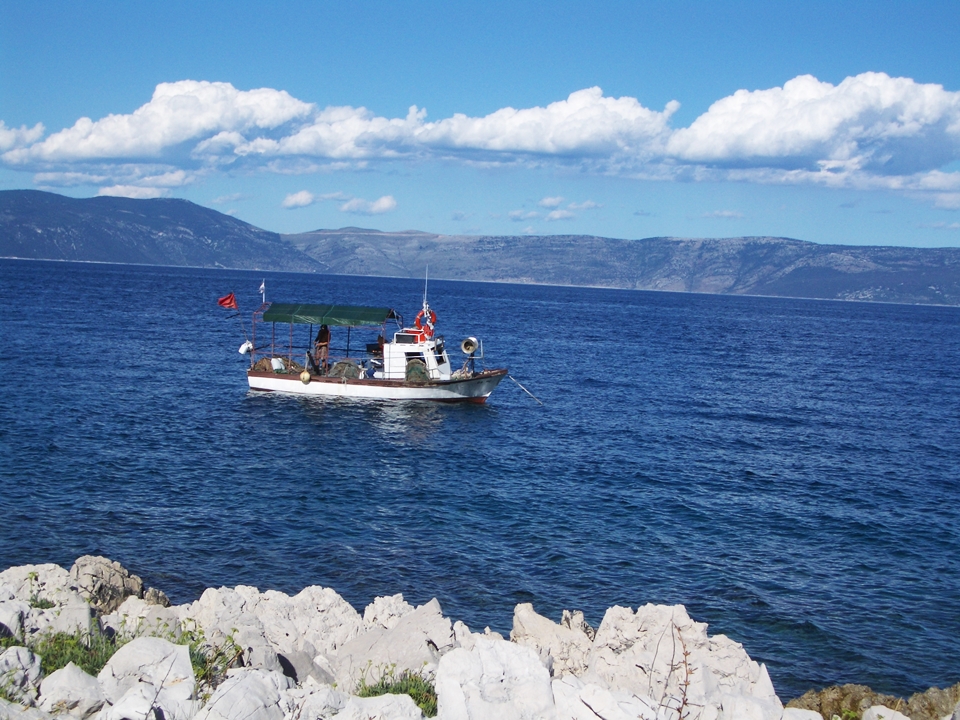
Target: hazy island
41	225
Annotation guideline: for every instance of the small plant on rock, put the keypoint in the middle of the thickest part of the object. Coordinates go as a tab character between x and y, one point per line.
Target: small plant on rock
406	682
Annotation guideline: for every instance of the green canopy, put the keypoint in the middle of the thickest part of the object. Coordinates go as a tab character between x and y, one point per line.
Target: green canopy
327	314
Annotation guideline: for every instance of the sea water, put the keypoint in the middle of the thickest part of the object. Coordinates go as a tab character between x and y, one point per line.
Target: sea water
787	469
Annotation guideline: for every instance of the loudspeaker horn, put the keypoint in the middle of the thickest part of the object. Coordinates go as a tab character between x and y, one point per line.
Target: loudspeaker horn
470	345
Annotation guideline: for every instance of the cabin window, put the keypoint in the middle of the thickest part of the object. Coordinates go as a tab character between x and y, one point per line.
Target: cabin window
405	338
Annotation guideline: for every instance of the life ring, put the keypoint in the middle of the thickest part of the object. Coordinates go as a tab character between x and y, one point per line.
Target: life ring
425	322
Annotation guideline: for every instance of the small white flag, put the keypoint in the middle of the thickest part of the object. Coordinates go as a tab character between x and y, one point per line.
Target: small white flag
262	288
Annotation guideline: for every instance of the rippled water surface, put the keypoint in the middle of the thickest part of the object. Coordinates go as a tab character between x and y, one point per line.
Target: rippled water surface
787	469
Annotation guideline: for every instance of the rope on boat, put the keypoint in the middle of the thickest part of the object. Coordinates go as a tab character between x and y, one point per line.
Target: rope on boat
524	389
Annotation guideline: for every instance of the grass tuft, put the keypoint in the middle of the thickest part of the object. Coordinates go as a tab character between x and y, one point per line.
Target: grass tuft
406	683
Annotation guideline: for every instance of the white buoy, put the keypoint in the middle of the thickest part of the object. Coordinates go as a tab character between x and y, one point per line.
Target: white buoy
246	347
305	377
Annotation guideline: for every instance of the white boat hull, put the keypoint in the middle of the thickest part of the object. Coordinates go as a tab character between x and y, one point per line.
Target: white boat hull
475	389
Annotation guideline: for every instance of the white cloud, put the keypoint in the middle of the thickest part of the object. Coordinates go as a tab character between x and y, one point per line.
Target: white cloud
232	197
723	214
586	205
11	138
298	199
560	215
950	201
178	112
359	206
869	122
133	191
868	132
550	202
585	123
941	226
521	215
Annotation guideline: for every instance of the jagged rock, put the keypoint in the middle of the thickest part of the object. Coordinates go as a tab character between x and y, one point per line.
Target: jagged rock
20	673
249	694
152	596
791	713
879	712
576	700
932	704
316	620
46	583
496	679
13	711
71	691
12	614
299	666
224	614
575	621
385	612
72	618
660	653
415	643
383	707
563	651
462	637
104	583
151	669
312	701
138	618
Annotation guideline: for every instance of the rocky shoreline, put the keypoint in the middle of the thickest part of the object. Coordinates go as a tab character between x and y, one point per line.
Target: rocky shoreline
241	654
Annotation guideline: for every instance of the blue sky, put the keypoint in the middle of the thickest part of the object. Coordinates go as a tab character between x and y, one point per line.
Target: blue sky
831	122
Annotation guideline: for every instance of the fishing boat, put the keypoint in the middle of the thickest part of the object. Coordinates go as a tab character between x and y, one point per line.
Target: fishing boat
401	363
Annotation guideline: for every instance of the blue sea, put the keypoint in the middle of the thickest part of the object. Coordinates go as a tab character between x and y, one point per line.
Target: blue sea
787	469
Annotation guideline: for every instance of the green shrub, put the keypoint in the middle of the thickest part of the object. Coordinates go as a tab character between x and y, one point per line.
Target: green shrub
88	651
406	683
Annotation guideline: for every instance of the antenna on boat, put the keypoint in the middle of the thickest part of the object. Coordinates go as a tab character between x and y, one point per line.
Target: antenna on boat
426	275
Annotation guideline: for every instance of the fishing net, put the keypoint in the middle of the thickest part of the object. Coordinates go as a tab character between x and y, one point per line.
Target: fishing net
345	369
417	371
265	365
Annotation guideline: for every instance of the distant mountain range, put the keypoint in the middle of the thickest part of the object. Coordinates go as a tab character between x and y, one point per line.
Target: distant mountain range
36	224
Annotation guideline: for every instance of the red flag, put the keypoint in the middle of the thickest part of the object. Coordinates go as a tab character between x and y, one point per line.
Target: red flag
228	301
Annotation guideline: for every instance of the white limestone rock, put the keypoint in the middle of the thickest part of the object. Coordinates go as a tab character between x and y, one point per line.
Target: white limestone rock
385	612
74	616
161	666
13	711
316	620
564	651
71	691
496	679
138	618
462	637
249	694
230	613
20	673
314	701
47	582
879	712
12	613
415	644
383	707
660	653
576	700
800	714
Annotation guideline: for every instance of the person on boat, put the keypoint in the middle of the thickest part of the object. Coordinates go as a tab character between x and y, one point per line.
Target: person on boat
321	347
